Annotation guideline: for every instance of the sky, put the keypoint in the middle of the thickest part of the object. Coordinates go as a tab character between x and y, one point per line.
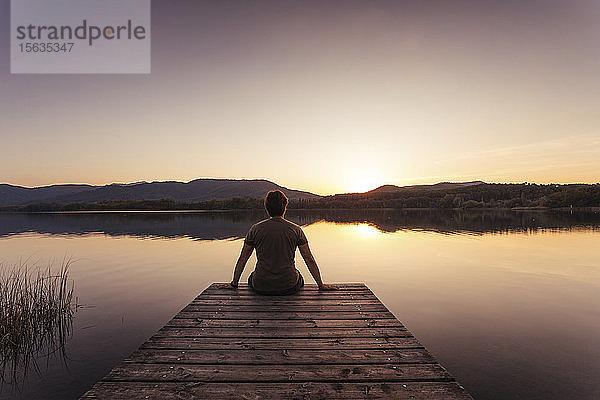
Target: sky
325	96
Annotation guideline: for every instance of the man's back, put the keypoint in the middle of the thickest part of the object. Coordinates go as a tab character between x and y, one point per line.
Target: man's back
275	240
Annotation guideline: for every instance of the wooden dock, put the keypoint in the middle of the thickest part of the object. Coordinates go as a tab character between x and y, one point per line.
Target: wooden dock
234	344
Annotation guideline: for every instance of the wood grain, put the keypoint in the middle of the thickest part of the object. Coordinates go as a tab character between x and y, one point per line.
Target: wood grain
285	391
234	344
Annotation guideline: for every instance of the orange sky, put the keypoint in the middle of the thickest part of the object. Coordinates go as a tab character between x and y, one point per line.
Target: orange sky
324	96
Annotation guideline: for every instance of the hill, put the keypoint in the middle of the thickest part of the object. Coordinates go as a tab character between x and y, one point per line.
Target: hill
13	195
221	194
193	191
437	186
467	195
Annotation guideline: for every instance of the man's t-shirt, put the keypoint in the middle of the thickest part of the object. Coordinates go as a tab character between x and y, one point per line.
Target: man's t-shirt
275	241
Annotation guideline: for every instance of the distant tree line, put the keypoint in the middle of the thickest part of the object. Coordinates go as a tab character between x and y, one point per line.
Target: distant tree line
477	196
236	203
485	195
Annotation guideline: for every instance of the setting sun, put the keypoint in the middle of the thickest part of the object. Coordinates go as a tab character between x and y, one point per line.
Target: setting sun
362	185
362	176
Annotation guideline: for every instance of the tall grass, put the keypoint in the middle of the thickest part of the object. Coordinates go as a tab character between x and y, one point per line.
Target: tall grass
36	310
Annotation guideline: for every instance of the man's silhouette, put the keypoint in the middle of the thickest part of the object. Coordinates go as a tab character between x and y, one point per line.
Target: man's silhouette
275	240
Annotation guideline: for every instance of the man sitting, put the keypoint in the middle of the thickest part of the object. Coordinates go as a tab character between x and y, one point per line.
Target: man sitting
275	240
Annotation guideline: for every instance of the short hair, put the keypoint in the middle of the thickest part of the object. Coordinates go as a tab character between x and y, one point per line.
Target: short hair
275	203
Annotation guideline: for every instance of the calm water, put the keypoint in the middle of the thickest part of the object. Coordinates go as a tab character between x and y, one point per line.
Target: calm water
508	302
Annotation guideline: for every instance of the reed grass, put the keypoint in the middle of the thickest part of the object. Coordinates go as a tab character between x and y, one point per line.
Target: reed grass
36	310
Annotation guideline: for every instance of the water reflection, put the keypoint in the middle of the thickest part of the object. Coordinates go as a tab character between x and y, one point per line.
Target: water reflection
37	308
18	360
500	311
234	224
460	221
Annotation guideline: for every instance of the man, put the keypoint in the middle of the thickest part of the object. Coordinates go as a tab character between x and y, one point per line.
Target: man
275	240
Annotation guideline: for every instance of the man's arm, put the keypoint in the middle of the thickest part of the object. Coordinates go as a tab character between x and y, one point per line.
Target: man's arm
313	267
241	263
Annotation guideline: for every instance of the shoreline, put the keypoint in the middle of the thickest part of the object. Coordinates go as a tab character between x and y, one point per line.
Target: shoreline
514	209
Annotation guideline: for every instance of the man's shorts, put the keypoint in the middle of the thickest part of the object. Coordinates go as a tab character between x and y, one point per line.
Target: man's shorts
285	292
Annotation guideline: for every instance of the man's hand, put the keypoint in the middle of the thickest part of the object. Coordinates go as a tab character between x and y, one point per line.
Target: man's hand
324	286
241	263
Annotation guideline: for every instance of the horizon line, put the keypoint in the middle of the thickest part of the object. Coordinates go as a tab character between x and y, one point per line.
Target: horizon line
286	187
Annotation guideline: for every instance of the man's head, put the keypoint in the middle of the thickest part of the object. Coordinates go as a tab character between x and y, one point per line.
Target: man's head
275	203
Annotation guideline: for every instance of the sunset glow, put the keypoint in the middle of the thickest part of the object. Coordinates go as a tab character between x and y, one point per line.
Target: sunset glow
365	230
403	194
324	98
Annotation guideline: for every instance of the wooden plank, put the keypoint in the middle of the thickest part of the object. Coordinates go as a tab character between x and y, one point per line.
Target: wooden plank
286	308
284	391
281	343
281	301
259	332
286	315
307	286
142	372
297	296
282	356
301	293
283	323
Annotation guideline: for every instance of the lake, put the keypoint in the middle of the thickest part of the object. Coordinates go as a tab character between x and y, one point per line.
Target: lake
509	302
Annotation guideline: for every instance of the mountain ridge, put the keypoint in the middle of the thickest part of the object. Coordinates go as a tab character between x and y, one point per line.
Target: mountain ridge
195	190
213	193
435	186
201	189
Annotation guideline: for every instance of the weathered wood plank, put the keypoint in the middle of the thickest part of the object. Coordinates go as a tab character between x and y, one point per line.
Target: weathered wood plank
300	294
309	295
307	286
284	391
305	289
281	356
283	323
286	315
281	343
278	373
281	301
286	308
259	332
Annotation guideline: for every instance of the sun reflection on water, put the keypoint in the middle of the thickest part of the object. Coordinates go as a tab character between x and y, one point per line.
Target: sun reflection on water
365	230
